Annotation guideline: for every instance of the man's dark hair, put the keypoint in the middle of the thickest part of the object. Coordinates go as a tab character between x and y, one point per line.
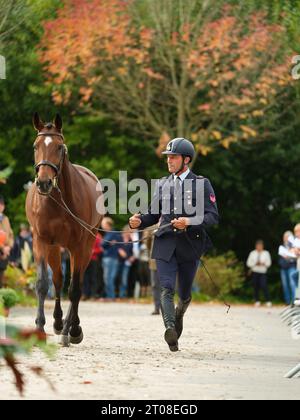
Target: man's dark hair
2	201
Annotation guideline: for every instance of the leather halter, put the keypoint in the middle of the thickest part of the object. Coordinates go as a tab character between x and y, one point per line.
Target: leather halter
56	168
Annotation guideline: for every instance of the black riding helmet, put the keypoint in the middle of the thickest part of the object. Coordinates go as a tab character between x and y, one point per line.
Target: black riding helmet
180	146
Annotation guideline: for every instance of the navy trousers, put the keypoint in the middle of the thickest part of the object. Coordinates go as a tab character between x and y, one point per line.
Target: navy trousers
167	273
260	283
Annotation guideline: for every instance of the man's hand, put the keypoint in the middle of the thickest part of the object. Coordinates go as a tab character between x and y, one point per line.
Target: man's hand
6	251
181	223
122	253
135	221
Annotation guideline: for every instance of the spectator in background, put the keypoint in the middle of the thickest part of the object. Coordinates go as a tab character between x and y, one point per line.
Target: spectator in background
295	241
296	250
21	255
134	287
65	260
110	257
7	240
144	271
91	283
259	261
155	283
65	257
288	270
101	286
126	260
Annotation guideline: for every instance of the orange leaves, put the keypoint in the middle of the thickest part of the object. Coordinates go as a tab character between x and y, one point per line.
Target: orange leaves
162	144
146	37
248	132
88	35
218	35
227	76
83	29
216	135
86	93
258	113
152	74
205	107
207	77
204	150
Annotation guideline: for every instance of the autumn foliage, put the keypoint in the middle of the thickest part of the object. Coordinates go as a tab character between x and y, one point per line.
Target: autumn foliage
214	78
22	342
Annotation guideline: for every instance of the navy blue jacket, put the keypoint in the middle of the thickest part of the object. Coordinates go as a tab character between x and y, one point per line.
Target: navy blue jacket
193	242
110	250
128	248
286	264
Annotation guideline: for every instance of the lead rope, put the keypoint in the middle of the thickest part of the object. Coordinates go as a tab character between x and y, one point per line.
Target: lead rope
217	287
89	228
209	276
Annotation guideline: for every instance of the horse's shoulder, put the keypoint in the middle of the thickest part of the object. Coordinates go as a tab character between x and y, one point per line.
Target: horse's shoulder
86	171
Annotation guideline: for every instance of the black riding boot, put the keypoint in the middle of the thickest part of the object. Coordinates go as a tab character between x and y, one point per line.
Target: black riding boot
168	313
180	311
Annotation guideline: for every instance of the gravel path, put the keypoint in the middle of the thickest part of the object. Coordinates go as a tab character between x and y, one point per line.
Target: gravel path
243	355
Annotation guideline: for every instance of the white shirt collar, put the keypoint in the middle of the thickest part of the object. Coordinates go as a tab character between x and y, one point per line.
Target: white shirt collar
183	175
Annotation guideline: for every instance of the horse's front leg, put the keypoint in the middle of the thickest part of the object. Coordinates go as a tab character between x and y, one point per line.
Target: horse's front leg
55	264
42	287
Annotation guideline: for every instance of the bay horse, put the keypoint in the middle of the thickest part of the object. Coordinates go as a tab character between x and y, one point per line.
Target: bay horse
58	181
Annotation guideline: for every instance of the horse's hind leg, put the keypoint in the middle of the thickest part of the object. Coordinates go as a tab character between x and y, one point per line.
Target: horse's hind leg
72	332
42	285
55	264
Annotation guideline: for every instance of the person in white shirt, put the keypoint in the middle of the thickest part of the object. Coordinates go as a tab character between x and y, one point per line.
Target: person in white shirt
295	241
288	270
296	250
259	261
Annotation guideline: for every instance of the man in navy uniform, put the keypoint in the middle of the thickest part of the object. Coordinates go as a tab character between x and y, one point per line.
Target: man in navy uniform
179	246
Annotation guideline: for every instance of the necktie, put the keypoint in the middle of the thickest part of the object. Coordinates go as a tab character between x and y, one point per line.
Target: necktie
177	196
177	184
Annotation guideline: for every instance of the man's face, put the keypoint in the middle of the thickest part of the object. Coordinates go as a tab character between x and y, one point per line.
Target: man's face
175	163
259	247
297	233
106	226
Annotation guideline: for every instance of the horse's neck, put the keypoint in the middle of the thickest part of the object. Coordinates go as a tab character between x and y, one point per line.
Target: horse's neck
66	181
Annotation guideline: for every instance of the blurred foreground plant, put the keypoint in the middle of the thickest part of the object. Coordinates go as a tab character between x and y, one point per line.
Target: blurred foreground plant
17	341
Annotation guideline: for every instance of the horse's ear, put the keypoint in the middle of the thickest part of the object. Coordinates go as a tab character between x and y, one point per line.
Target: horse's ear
37	122
58	122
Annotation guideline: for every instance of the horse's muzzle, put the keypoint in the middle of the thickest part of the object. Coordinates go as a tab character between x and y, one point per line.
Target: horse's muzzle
44	187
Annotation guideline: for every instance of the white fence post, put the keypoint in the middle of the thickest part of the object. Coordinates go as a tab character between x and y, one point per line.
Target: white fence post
2	67
2	327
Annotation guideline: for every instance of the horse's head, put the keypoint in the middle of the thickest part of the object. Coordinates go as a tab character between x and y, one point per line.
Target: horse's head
49	153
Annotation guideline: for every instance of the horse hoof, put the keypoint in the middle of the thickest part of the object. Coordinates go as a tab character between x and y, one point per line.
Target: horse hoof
58	331
65	341
76	340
